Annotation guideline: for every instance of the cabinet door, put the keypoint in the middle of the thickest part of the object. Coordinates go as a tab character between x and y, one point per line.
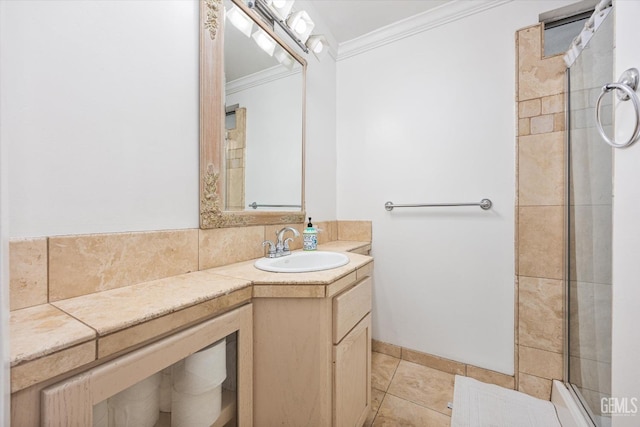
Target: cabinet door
352	376
71	402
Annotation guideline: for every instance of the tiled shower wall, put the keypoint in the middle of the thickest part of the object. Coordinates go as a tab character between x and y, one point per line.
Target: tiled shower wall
540	213
236	147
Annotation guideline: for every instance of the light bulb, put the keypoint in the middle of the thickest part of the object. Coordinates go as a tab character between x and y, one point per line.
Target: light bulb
239	20
265	41
301	26
318	47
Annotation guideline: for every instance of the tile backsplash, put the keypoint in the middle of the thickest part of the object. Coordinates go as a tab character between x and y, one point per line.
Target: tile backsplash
83	264
28	272
55	268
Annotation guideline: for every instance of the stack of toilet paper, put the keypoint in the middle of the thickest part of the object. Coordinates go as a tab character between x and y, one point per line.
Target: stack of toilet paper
196	397
137	406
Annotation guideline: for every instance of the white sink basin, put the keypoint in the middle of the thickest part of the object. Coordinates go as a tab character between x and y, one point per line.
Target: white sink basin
303	262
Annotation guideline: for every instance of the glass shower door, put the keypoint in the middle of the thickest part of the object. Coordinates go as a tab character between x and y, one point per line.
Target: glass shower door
590	227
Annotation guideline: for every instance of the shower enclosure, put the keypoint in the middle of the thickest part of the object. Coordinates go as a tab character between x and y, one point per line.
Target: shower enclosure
589	225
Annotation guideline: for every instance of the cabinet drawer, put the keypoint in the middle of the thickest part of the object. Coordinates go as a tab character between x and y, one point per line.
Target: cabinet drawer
349	307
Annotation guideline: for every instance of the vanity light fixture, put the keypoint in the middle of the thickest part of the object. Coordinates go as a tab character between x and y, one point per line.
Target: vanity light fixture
318	45
240	20
298	25
265	41
284	58
301	24
281	8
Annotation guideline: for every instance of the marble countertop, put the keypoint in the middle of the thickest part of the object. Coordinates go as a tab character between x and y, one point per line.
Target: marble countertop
44	329
117	309
42	332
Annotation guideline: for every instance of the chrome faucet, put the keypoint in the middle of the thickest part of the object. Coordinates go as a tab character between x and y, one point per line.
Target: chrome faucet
282	248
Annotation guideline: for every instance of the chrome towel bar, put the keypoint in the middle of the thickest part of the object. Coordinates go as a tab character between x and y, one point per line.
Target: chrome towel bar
484	204
255	205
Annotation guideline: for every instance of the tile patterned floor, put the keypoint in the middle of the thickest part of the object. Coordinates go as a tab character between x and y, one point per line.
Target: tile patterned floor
407	394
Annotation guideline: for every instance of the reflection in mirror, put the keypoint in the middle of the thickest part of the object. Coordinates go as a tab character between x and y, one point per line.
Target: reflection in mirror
264	89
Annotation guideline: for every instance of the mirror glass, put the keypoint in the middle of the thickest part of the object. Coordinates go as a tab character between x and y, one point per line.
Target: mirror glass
264	95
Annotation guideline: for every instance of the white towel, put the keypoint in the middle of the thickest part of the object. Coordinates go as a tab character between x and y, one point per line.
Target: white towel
476	404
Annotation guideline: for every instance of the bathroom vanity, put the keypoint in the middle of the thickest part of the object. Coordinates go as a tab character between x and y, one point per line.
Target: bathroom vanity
303	343
312	357
312	344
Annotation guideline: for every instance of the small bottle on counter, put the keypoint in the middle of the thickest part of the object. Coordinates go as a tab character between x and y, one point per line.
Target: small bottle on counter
310	237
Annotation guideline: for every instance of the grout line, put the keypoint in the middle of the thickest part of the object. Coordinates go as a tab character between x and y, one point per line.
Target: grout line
378	411
420	404
393	375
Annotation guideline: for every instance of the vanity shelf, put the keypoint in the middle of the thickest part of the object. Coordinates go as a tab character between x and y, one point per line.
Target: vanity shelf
71	402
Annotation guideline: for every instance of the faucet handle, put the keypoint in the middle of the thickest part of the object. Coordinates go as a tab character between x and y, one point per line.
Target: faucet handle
272	248
286	244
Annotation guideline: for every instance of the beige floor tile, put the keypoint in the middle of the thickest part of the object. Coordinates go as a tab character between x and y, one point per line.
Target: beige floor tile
382	369
396	412
376	400
422	385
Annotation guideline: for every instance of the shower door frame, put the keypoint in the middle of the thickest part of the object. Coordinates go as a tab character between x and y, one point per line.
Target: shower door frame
575	394
574	390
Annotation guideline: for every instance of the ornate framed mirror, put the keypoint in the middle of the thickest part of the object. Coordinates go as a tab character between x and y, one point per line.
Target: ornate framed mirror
252	121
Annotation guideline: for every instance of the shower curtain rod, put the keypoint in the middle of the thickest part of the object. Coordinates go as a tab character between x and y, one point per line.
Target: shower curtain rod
601	11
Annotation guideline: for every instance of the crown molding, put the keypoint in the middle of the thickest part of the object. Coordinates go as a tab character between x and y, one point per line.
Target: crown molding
436	17
261	77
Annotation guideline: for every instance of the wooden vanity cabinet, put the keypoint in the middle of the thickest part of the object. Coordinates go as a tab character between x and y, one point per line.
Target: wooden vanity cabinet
70	402
312	359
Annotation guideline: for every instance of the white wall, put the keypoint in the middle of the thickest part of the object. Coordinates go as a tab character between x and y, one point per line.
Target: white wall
5	388
100	111
320	149
431	118
626	228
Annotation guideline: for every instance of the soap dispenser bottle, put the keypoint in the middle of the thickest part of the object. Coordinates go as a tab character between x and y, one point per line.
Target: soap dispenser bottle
310	237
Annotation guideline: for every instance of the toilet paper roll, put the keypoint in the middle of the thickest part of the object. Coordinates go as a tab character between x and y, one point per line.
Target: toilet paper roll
195	410
101	414
137	406
165	390
202	371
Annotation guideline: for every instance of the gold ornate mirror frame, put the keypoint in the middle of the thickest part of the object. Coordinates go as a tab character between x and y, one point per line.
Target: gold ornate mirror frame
212	129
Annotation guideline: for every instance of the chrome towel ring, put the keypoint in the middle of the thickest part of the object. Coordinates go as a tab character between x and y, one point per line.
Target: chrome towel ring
627	84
